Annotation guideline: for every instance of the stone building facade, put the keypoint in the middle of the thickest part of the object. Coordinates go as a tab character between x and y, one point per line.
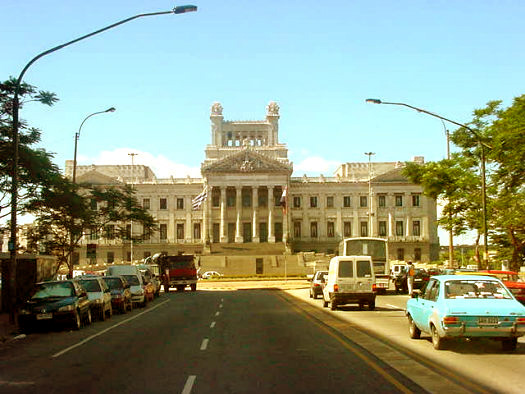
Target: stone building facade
246	172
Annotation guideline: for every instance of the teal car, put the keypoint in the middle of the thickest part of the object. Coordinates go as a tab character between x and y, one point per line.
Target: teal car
466	306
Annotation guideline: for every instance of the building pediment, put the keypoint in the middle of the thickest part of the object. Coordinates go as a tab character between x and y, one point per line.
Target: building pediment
94	177
247	161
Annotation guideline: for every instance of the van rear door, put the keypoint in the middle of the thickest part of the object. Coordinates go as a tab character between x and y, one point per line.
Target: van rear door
364	276
345	276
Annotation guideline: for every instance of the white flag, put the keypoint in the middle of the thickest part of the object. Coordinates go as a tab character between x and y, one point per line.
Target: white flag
197	201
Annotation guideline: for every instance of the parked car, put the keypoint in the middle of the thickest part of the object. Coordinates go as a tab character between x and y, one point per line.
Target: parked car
421	277
154	272
64	303
351	279
149	289
317	283
99	295
150	277
211	274
134	278
466	306
120	293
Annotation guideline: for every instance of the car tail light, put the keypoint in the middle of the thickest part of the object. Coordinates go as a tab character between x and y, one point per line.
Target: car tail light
374	287
450	320
520	320
336	288
316	285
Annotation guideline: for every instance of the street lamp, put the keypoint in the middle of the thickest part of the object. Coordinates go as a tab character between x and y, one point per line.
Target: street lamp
370	154
12	245
483	175
77	135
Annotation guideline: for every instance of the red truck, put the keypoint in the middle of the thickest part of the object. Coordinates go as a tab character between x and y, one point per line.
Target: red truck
177	271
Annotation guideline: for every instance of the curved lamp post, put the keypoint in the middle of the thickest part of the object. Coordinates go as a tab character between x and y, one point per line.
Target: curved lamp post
77	136
12	245
483	176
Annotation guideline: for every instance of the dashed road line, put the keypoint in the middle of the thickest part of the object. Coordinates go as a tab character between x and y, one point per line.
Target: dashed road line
189	384
212	324
217	313
204	343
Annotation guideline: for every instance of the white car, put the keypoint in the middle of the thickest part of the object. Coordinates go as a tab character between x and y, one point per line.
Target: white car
211	274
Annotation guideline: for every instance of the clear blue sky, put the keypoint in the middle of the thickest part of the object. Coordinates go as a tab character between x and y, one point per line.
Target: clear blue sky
318	60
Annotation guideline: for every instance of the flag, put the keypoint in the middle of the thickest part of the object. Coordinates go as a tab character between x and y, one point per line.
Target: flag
284	199
197	201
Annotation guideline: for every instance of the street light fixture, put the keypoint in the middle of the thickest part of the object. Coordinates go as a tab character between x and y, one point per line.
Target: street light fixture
77	136
483	175
12	245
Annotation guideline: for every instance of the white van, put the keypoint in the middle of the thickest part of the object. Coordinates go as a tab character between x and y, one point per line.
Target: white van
351	280
134	278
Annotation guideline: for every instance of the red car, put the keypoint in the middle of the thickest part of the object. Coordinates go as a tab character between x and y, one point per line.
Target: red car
511	279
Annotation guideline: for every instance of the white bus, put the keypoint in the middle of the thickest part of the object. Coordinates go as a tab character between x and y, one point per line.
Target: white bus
377	248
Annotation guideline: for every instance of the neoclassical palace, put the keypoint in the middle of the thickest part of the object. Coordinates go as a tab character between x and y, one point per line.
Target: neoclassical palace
254	207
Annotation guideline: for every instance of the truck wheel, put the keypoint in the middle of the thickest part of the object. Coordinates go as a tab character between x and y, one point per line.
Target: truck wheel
509	344
333	306
194	287
372	305
166	289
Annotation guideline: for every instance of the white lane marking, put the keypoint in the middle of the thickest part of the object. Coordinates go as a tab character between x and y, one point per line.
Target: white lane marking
212	324
217	313
220	306
8	383
204	343
104	331
393	306
189	384
222	299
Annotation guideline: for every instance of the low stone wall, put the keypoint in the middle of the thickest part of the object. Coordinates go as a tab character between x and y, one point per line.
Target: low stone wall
253	265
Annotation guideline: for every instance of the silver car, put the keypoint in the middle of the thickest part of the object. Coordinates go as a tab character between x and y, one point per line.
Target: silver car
98	294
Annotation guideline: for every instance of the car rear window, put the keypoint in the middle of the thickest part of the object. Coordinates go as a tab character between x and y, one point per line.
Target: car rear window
346	269
90	285
475	289
114	283
133	280
363	269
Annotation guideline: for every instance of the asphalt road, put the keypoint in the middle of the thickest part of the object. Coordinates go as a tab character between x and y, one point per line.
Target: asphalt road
242	341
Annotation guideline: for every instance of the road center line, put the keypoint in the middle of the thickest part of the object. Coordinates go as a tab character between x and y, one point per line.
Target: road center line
212	324
104	331
220	306
189	384
204	343
217	313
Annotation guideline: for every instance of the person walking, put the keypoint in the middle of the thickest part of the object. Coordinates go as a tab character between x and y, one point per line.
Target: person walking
410	277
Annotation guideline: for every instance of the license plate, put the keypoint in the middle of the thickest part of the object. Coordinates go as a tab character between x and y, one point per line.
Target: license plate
44	316
488	320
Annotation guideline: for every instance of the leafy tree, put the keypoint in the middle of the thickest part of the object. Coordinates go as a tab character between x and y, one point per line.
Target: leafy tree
35	167
66	212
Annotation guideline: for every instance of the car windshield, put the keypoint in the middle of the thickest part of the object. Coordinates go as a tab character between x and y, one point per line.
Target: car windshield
90	285
54	289
475	289
133	280
114	283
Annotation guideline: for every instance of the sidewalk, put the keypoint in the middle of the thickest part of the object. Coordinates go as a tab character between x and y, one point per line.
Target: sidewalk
7	331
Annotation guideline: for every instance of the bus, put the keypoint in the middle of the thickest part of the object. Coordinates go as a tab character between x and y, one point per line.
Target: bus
377	248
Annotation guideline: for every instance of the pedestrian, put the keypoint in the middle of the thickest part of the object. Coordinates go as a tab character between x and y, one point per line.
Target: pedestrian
410	277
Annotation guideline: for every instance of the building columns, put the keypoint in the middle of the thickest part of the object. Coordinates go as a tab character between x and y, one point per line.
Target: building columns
271	235
223	236
255	212
238	207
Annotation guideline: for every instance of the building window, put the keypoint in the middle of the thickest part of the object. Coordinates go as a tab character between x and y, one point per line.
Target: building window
313	202
215	197
93	235
145	203
330	202
163	203
347	229
93	204
277	193
363	201
196	231
399	228
146	234
110	257
246	197
381	201
400	254
180	203
330	229
417	254
180	230
347	201
399	200
297	229
313	229
230	197
163	230
263	197
382	228
416	200
363	229
110	231
297	202
416	228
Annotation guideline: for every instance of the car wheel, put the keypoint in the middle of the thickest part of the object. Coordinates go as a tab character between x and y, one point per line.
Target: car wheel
372	305
102	316
77	323
361	306
311	295
413	331
437	341
130	306
325	303
333	306
89	318
110	311
509	344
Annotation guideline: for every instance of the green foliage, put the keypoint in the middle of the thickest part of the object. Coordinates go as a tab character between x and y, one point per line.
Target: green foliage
500	133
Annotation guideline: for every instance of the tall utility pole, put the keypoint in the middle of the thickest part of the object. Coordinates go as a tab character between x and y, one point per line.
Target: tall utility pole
450	232
370	207
132	182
